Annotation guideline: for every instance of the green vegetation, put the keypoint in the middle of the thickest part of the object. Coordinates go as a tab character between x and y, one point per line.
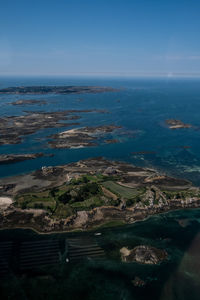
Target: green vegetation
132	195
88	203
113	223
181	194
119	190
132	201
83	193
36	200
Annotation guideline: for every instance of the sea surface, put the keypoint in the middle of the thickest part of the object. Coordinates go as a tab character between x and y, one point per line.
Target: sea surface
141	107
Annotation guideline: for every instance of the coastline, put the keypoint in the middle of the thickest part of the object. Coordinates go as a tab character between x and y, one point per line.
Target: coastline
103	225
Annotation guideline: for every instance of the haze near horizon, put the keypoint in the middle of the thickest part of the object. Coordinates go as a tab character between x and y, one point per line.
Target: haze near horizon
99	37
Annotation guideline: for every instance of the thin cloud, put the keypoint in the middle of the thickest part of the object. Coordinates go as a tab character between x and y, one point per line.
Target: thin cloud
177	57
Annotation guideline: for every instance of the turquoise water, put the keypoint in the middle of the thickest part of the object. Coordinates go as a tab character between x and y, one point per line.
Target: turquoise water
141	107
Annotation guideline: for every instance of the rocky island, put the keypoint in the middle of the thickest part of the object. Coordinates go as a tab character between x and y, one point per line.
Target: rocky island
56	90
89	194
177	124
13	128
28	102
82	137
143	254
13	158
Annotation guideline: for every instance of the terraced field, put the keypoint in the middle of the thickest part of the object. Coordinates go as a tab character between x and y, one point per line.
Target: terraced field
82	248
121	191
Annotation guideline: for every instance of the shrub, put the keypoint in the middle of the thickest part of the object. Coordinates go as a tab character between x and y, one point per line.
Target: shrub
65	198
38	205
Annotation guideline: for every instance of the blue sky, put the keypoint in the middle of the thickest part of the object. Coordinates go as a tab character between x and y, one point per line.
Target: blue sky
99	36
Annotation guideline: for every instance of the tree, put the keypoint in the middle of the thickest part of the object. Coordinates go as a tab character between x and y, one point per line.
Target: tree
65	198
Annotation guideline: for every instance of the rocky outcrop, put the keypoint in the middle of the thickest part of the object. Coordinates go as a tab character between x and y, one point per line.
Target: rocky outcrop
177	124
28	102
13	158
138	282
143	254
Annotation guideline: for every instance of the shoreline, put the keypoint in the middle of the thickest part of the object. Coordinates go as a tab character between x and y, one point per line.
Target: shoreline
101	227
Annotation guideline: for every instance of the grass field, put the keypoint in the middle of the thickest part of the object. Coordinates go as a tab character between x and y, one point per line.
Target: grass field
88	203
121	191
83	193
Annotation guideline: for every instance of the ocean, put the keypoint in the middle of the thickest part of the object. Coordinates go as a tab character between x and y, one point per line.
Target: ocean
140	106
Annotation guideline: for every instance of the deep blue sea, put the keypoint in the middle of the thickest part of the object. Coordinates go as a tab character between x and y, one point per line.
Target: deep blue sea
141	107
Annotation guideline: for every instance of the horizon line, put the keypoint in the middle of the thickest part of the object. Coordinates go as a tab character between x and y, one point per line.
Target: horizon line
110	73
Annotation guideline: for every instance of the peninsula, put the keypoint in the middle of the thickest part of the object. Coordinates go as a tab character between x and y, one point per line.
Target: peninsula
88	194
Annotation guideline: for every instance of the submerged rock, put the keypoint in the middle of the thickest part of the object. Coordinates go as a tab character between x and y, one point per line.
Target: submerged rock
138	282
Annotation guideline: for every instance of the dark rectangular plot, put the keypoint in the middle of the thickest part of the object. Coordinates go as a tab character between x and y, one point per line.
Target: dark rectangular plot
39	249
39	263
80	241
40	259
5	243
82	246
87	241
87	250
31	255
39	244
86	253
85	247
100	256
4	267
5	256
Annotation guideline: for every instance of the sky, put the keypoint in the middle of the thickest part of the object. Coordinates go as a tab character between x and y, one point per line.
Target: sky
99	37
